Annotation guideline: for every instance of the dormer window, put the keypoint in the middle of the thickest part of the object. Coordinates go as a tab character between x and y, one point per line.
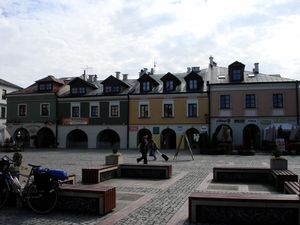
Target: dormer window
169	85
114	89
236	74
236	71
77	90
146	86
193	85
45	86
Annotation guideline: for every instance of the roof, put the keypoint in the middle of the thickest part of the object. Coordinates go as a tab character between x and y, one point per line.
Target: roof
6	83
219	75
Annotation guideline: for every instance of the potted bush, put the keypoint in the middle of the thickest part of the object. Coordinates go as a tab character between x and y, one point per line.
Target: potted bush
114	158
277	161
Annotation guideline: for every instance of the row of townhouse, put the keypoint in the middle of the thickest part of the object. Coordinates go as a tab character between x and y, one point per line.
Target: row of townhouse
84	112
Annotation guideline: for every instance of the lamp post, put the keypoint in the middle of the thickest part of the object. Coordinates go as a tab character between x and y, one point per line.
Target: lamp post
206	116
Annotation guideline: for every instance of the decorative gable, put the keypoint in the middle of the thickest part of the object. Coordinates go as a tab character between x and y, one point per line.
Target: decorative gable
194	82
79	86
112	85
147	83
236	71
170	82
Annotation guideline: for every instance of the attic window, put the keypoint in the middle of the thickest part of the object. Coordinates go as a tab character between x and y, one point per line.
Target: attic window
236	74
169	85
45	86
146	86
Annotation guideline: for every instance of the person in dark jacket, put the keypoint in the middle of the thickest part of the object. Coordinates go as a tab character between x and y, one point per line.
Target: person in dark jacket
143	150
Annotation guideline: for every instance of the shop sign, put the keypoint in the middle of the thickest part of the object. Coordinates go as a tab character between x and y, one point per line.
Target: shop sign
155	130
223	121
133	128
75	121
251	121
239	121
265	122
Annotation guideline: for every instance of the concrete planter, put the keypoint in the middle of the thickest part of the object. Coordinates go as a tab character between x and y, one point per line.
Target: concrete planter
278	164
113	159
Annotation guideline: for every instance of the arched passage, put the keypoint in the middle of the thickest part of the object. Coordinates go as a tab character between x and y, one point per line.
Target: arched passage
77	139
108	139
24	137
142	133
193	137
253	135
168	139
44	138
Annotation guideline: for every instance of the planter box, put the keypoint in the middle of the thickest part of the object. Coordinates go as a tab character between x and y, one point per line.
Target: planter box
278	164
113	159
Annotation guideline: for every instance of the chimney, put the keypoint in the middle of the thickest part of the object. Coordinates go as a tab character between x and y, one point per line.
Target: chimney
256	68
95	77
125	76
196	69
84	75
118	74
188	70
152	71
91	78
211	61
145	70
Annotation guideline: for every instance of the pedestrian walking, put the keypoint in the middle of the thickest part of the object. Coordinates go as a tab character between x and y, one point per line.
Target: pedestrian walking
153	146
143	150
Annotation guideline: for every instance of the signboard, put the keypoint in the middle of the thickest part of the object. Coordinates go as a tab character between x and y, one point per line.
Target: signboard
280	144
75	121
222	121
133	128
155	130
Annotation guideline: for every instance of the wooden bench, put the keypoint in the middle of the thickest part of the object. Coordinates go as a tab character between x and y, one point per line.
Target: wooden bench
247	209
99	174
280	176
161	171
243	174
96	198
70	180
291	187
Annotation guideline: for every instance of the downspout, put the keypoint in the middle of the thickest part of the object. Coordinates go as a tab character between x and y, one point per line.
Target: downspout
56	121
128	120
208	94
297	101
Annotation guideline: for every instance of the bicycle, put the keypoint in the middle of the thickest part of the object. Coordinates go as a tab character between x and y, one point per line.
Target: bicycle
40	190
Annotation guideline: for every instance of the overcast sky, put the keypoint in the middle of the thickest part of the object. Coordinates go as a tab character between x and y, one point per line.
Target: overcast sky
64	37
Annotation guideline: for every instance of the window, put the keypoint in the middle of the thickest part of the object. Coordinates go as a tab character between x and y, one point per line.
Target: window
49	86
3	112
250	101
107	88
42	87
225	101
22	110
74	90
168	110
193	85
143	111
75	109
114	108
277	100
45	109
192	110
81	90
3	94
169	85
237	75
146	86
116	89
94	109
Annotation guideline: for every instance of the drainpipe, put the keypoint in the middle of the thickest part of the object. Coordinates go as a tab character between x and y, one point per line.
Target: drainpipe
128	120
56	121
208	94
297	101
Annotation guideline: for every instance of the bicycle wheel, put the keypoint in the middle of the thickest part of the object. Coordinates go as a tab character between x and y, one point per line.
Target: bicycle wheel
4	192
42	201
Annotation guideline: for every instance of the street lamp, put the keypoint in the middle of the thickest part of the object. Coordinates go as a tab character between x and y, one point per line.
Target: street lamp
206	116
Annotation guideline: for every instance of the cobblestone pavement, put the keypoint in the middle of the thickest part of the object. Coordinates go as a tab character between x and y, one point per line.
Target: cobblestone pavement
138	201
